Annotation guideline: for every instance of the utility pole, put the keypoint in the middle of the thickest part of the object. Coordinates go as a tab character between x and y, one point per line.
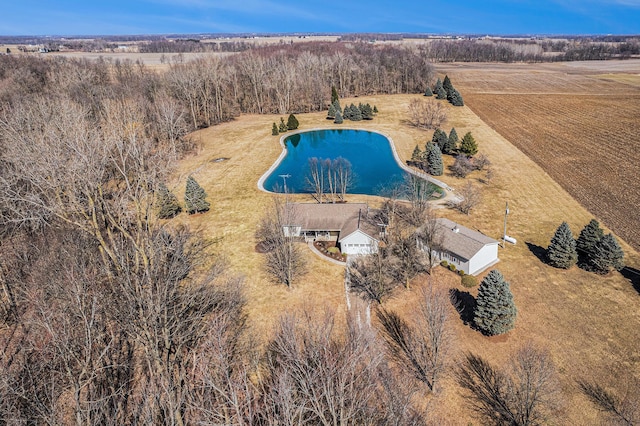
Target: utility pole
504	235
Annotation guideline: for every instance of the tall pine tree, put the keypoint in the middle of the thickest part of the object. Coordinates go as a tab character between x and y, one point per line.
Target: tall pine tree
452	142
331	114
495	311
468	145
455	98
195	197
562	253
334	94
434	160
168	205
417	154
447	86
606	255
439	90
338	119
590	235
440	138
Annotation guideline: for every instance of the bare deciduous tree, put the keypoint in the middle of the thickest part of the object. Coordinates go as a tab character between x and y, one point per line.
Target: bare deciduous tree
320	373
284	260
428	114
525	393
422	349
370	277
469	197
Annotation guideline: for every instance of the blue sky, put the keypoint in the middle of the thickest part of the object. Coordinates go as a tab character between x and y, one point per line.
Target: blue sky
84	17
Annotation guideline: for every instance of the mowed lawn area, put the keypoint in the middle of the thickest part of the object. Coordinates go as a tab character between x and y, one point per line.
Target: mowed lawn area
588	323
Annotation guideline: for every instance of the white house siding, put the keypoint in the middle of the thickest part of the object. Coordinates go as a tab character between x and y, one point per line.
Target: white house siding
485	257
358	243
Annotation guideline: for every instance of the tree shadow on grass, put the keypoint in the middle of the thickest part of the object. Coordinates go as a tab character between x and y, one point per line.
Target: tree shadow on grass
464	303
539	252
633	275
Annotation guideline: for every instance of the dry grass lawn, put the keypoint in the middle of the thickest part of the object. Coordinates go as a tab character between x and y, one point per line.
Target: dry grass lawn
589	323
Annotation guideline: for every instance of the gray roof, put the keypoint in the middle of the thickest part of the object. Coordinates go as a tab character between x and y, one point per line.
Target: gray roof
343	217
462	241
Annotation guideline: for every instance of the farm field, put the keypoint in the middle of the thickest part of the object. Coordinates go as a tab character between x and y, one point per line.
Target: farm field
587	322
579	121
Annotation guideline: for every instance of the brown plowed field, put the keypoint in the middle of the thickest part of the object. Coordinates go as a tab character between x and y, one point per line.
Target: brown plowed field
580	122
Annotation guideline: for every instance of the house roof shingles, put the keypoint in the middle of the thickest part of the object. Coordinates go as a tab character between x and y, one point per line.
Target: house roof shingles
343	217
464	242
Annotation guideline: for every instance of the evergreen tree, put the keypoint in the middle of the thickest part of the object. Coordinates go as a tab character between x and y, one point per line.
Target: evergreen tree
495	311
332	112
434	160
439	90
417	154
168	205
562	250
336	105
338	119
356	114
606	255
452	142
367	112
346	113
447	86
292	122
375	109
468	145
456	98
590	235
428	92
274	130
283	126
440	138
334	94
195	197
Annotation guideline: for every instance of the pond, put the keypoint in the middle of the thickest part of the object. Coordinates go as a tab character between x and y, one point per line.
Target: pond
373	165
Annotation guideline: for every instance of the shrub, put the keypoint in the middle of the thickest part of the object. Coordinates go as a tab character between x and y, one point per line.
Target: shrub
462	166
292	122
461	273
452	267
444	263
333	250
468	281
274	130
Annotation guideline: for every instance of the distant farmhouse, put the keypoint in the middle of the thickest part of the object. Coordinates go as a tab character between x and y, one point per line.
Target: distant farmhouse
469	250
343	223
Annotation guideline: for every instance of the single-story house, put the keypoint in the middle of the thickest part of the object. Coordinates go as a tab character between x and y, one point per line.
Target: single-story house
470	251
343	222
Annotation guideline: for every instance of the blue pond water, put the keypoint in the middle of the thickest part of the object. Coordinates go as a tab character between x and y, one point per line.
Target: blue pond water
372	162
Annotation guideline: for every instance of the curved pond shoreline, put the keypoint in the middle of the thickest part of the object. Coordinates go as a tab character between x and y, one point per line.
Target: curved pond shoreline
400	164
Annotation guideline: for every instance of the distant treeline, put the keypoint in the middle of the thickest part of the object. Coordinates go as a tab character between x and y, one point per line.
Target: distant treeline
527	50
290	78
193	46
